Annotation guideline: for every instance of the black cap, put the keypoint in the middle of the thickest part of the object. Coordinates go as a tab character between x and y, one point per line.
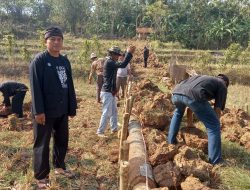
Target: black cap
53	31
225	78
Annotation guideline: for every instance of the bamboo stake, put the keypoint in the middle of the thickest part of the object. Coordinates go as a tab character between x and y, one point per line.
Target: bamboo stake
124	165
124	134
125	150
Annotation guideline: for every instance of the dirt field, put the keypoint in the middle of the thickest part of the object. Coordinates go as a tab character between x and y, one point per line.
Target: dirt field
94	160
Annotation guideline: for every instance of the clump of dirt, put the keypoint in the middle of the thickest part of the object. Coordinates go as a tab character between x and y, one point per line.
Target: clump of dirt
190	163
167	175
156	119
235	117
153	139
147	84
244	140
163	153
195	138
155	107
235	126
193	183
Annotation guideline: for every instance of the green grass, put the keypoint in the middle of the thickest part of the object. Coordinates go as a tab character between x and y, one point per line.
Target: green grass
234	178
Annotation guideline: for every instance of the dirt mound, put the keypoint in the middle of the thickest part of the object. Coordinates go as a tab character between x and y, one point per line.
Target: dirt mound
235	117
190	163
12	123
192	183
195	138
147	84
235	126
155	118
244	140
155	107
163	153
167	175
153	139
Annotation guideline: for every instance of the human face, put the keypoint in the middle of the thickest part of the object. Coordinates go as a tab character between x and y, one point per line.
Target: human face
121	58
115	56
54	45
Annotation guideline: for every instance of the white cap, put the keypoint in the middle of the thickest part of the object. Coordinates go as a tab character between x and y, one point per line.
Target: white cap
93	55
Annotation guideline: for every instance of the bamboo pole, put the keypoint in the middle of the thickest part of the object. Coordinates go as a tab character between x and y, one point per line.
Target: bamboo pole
124	165
125	150
124	134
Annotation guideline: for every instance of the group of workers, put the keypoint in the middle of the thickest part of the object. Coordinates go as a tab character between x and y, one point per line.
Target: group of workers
54	100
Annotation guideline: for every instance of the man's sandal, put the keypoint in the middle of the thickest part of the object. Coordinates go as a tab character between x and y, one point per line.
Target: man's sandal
66	173
43	184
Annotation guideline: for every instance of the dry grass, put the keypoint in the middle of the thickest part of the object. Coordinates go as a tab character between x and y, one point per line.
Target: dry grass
93	159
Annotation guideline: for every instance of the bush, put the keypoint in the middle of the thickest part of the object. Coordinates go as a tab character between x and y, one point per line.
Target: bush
232	54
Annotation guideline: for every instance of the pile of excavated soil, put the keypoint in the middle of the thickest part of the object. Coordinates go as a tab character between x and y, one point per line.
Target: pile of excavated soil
183	166
174	164
12	123
151	105
235	125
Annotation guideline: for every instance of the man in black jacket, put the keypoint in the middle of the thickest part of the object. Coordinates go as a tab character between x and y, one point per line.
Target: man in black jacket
145	56
194	93
53	100
18	91
108	93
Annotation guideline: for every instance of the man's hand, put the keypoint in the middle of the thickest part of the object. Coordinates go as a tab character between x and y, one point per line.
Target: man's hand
131	49
40	118
218	112
114	93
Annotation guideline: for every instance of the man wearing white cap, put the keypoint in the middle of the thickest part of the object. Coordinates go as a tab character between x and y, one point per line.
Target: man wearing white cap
97	67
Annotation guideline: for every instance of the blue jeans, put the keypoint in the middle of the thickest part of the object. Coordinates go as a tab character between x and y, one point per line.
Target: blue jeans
109	112
206	114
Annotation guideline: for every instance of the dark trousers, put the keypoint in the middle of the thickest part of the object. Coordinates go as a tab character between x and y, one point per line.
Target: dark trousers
145	62
17	103
58	127
99	83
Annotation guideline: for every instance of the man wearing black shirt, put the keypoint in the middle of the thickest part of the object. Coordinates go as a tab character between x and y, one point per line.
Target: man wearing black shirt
145	56
53	100
17	91
108	93
194	93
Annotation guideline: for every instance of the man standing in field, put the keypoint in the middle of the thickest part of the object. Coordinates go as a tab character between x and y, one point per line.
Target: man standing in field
18	91
53	100
122	77
194	93
97	67
108	93
145	56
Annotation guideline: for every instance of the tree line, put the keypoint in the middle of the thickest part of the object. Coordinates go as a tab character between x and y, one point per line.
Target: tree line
198	24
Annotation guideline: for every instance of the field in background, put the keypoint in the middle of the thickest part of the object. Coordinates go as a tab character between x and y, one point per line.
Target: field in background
92	159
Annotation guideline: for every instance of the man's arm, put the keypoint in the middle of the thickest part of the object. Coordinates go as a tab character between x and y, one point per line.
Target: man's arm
128	57
218	112
6	100
36	73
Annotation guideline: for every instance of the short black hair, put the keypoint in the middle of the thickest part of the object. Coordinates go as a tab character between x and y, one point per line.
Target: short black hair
225	78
